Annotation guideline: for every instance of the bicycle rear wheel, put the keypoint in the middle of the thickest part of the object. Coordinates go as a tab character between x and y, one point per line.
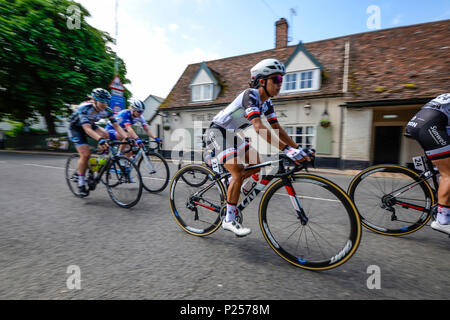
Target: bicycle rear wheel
72	173
154	171
392	200
331	234
123	182
197	209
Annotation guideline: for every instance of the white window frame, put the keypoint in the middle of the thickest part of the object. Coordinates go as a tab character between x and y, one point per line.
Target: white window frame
205	93
298	81
301	137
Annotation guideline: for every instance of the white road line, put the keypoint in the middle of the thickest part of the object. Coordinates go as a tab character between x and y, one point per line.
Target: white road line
38	165
300	196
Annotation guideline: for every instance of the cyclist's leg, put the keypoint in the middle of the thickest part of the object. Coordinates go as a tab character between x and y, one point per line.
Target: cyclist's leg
234	163
429	128
252	158
443	215
79	138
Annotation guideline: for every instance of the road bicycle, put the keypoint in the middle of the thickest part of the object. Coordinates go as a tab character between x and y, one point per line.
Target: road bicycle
118	173
394	200
152	166
306	219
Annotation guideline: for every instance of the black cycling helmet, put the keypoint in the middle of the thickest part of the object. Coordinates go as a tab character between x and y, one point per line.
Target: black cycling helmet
101	95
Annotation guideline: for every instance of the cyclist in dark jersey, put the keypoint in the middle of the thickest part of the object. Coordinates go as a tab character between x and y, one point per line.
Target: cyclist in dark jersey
245	111
82	124
430	127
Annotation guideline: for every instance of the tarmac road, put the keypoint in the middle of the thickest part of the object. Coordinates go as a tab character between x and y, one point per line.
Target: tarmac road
141	253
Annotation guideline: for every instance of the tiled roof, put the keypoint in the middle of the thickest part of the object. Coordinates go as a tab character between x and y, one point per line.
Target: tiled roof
399	63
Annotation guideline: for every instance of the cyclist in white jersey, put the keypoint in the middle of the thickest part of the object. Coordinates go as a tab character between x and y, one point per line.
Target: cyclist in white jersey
430	127
245	111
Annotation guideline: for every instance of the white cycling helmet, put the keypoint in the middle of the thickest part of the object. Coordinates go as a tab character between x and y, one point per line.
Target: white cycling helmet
264	69
137	105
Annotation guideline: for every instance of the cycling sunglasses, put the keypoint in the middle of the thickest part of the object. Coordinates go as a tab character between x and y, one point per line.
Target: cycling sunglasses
277	79
108	101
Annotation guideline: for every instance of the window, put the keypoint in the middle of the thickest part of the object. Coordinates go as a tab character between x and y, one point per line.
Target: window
290	81
298	81
302	135
306	80
202	92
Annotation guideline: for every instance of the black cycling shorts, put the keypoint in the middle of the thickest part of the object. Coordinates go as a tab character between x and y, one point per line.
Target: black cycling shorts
226	145
78	136
429	128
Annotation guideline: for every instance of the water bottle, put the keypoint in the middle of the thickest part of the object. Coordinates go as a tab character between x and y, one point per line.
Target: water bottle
101	162
93	164
249	184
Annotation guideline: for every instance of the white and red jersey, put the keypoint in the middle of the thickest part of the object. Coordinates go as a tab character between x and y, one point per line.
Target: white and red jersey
247	106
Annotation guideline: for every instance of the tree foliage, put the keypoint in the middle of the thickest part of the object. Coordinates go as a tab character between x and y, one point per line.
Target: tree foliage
44	65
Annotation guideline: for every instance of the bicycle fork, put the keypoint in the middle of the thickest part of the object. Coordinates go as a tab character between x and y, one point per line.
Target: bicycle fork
301	215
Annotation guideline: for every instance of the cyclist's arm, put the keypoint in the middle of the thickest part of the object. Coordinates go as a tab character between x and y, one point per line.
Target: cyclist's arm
119	130
87	127
149	132
264	132
130	132
284	137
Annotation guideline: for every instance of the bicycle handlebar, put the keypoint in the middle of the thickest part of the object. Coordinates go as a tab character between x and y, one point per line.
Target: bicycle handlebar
297	167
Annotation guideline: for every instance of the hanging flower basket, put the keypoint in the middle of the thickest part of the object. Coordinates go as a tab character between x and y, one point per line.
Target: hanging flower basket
166	127
325	123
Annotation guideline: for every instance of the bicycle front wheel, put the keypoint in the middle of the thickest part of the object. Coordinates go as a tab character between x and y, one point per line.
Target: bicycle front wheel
392	200
123	182
197	209
328	236
154	171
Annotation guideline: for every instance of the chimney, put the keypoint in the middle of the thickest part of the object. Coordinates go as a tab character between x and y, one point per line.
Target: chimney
281	33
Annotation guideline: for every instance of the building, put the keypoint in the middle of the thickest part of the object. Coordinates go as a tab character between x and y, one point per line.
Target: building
349	97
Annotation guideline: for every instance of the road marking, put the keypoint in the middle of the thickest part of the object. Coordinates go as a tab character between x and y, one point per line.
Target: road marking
300	196
38	165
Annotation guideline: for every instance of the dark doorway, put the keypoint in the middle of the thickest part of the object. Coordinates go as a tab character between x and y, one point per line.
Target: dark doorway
387	145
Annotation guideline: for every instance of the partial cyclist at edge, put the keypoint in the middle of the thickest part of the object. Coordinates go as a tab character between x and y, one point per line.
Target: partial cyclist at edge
82	124
431	128
246	110
127	118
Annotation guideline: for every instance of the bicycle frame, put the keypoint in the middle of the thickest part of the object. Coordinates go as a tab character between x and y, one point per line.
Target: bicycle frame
429	173
260	187
111	158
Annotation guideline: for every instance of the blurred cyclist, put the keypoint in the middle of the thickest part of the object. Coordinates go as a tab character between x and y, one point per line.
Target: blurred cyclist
246	110
127	118
430	127
82	124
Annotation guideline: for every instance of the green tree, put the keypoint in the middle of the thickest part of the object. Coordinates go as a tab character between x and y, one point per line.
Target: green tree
45	65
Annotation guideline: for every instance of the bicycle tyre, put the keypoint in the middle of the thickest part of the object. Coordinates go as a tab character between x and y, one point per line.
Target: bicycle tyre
71	172
428	196
182	218
352	234
189	182
113	171
165	178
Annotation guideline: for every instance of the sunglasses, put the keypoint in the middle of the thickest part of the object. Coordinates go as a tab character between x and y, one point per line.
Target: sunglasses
108	101
277	79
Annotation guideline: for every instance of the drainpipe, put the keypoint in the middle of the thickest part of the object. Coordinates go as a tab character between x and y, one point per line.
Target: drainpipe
344	90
